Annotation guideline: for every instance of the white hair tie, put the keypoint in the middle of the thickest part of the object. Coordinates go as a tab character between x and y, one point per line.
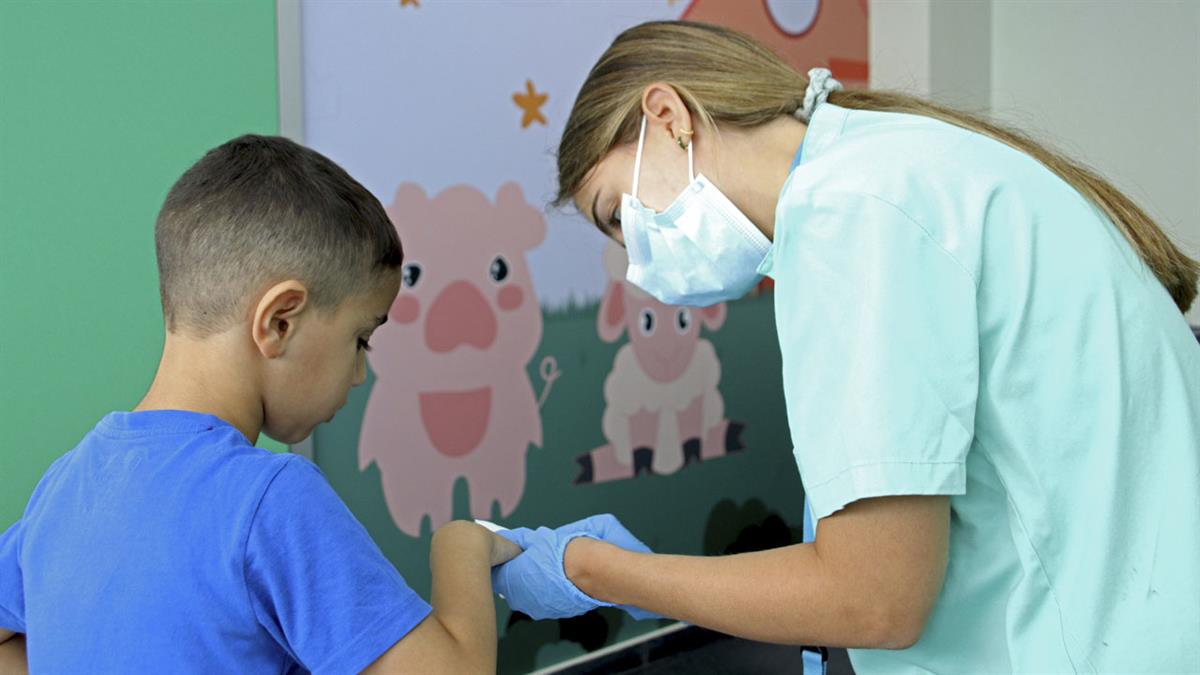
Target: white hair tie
820	84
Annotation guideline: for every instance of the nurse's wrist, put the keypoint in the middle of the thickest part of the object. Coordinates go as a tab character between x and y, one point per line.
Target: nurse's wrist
584	561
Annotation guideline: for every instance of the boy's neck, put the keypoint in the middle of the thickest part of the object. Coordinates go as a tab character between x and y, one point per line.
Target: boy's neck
209	375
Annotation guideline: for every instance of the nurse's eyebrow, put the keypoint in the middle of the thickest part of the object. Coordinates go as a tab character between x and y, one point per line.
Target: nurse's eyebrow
380	320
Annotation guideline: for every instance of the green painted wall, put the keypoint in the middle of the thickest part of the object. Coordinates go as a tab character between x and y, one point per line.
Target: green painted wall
102	106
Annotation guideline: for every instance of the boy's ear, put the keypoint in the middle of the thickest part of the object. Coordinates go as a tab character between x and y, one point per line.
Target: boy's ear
275	315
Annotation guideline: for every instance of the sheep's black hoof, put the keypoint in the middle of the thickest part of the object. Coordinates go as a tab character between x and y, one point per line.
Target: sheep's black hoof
642	460
587	473
733	438
691	451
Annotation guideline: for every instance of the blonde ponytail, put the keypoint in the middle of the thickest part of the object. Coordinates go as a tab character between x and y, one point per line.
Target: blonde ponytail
725	77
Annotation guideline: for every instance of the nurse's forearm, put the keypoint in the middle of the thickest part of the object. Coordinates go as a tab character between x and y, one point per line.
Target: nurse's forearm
869	581
782	595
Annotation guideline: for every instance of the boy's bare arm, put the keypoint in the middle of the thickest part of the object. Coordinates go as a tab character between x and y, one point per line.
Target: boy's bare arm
12	654
460	635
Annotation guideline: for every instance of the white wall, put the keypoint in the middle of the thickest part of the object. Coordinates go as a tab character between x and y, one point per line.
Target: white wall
1113	84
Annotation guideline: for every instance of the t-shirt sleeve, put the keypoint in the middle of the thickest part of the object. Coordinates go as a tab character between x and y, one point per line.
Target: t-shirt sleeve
317	582
12	593
879	335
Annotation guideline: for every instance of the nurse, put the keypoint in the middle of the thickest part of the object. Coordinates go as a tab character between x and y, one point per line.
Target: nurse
993	396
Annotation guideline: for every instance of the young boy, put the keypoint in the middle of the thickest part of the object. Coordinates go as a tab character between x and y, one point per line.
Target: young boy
165	542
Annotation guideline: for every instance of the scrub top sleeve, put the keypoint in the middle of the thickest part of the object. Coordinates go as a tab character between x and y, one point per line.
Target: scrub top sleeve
12	594
318	583
878	329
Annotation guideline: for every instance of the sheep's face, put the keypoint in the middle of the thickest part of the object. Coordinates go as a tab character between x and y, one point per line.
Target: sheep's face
663	337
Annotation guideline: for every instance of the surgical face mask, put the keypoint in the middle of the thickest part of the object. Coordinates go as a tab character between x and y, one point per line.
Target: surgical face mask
700	251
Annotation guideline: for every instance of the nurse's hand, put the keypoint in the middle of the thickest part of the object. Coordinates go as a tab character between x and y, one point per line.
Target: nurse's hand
535	582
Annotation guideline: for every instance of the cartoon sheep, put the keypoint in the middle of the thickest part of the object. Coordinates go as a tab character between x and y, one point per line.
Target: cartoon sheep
663	407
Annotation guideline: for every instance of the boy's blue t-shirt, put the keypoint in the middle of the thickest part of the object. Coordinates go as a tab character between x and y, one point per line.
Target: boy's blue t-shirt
164	542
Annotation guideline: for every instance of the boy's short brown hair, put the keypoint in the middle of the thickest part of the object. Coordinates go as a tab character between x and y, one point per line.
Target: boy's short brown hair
262	209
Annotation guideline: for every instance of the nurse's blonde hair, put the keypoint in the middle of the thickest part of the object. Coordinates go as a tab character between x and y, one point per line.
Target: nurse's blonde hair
727	78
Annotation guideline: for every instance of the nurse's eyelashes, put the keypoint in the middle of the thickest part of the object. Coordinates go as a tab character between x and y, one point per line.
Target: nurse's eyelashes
614	219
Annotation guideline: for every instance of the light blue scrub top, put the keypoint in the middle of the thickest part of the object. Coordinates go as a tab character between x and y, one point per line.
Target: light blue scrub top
813	661
956	320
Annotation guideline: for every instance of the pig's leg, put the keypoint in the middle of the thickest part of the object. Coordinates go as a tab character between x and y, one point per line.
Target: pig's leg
415	478
515	424
442	511
497	474
510	480
409	501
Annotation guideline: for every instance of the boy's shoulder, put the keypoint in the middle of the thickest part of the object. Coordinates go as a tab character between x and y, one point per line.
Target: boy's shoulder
162	456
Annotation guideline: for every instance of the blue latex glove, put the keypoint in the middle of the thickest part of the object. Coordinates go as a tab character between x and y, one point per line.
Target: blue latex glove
536	584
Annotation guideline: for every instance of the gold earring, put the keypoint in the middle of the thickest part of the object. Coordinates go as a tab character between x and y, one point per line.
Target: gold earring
679	139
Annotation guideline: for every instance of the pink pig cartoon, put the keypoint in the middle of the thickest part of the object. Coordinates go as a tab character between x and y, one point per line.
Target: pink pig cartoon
451	396
663	408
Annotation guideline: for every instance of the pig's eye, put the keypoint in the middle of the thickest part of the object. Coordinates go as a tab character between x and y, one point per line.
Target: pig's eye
646	322
683	320
410	275
499	269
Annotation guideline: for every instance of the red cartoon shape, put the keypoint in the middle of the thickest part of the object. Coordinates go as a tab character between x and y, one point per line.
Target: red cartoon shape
451	396
804	33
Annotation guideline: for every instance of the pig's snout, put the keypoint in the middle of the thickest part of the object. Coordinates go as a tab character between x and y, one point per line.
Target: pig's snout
460	315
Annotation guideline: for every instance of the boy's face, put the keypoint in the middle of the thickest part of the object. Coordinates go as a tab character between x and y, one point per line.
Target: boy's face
326	358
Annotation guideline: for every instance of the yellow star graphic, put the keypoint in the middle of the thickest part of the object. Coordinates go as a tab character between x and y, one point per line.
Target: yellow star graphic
530	104
414	3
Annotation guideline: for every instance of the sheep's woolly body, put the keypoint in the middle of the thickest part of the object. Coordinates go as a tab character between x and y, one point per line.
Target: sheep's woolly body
628	390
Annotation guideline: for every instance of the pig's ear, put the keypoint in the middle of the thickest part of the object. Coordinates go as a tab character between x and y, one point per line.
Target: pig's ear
713	317
527	224
610	320
410	204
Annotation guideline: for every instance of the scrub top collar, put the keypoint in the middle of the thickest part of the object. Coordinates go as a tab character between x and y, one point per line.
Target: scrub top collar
824	127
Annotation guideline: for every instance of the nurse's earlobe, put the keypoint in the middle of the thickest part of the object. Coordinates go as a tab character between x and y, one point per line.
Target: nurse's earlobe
682	134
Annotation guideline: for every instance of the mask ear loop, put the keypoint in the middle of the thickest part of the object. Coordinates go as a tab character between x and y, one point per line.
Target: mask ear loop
691	169
637	162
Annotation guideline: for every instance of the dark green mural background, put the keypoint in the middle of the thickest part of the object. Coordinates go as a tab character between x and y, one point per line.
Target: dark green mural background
701	509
